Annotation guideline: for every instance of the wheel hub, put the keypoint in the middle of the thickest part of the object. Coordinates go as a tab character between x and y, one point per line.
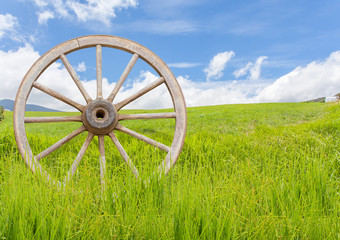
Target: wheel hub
100	117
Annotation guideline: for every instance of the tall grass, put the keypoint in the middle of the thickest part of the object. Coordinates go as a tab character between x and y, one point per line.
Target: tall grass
259	171
1	113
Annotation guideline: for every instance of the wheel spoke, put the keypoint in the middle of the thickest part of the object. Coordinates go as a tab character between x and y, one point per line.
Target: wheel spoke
140	93
99	71
60	143
147	116
123	77
52	119
79	157
75	78
141	137
124	154
102	161
58	96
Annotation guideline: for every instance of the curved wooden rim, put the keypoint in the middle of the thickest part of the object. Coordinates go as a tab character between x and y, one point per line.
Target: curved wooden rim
92	41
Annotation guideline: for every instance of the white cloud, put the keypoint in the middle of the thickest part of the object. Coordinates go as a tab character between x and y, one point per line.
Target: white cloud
252	69
81	67
317	79
243	71
184	65
89	10
255	71
7	24
60	8
41	3
101	10
43	17
217	65
16	64
216	93
13	67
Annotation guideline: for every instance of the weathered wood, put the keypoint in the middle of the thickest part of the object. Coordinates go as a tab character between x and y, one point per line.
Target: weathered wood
100	117
124	154
53	119
75	78
60	143
140	93
79	157
58	96
123	77
138	51
101	146
143	138
99	71
147	116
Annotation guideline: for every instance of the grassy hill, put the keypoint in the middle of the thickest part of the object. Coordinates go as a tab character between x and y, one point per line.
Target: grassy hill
252	171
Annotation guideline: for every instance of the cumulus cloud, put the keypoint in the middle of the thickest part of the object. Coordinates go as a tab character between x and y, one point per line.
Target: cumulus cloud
101	10
41	3
60	8
43	17
242	71
13	66
253	69
16	64
216	93
217	65
83	11
317	79
7	24
81	67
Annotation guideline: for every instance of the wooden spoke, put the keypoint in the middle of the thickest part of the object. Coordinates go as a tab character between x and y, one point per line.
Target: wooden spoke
123	77
75	78
141	137
99	120
52	119
140	93
99	71
60	143
124	154
79	157
147	116
102	162
58	96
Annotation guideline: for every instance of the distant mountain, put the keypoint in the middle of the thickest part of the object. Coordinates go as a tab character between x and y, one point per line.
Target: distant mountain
9	105
320	100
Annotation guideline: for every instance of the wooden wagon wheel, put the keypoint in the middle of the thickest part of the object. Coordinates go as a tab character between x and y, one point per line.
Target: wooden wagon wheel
99	116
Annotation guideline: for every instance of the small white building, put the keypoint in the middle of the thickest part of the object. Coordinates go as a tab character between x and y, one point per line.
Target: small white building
331	99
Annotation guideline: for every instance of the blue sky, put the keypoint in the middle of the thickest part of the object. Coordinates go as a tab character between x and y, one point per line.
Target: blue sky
220	51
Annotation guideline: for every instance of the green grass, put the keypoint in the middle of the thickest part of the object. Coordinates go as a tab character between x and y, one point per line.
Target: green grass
256	171
1	113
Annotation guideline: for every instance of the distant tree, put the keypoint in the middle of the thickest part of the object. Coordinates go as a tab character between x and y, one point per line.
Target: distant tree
1	113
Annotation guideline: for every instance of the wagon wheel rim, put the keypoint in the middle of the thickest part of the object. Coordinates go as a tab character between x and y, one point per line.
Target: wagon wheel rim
99	117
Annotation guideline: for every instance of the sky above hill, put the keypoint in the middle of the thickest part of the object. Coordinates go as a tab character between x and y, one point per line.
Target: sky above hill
221	51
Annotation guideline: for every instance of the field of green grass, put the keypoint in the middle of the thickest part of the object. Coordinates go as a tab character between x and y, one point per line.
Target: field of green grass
252	171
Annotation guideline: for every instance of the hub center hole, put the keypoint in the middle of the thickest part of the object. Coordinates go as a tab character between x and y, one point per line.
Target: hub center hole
100	114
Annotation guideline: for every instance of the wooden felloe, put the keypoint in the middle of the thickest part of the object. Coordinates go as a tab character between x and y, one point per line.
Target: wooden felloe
99	117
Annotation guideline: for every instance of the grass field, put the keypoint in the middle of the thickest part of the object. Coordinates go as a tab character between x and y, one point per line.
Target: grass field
253	171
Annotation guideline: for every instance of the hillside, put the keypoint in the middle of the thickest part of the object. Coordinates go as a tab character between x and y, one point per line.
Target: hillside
9	105
248	171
